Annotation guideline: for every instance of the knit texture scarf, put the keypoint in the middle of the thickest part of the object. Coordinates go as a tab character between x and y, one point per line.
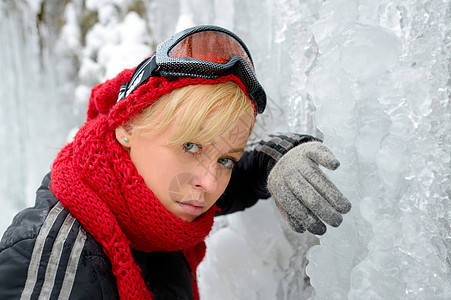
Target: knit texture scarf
94	178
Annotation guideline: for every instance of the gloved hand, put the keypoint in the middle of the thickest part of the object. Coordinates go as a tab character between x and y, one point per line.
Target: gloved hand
303	194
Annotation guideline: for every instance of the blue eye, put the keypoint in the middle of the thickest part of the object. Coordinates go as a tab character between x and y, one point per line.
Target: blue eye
191	147
227	162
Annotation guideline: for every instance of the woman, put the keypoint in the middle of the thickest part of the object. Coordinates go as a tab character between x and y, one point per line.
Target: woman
128	204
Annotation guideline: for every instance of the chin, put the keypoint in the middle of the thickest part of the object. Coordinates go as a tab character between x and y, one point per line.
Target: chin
186	218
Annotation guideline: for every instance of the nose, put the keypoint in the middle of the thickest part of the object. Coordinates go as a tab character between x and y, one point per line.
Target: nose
205	178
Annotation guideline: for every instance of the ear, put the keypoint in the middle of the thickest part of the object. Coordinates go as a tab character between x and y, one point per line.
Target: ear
123	136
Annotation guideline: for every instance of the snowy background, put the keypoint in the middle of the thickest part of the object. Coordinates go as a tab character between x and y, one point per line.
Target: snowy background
371	77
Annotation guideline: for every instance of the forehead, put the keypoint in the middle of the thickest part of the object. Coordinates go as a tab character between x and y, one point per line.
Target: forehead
235	136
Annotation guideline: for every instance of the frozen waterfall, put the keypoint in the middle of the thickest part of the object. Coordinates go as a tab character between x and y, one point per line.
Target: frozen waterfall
370	77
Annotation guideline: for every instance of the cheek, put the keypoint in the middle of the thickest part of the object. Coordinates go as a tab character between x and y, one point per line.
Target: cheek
223	182
160	173
152	164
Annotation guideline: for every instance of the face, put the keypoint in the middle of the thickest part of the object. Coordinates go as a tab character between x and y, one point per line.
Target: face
187	179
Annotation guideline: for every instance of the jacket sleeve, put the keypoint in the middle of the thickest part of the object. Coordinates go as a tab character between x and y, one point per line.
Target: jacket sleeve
248	181
45	253
14	264
16	248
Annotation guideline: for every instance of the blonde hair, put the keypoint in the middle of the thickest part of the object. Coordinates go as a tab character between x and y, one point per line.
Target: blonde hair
205	112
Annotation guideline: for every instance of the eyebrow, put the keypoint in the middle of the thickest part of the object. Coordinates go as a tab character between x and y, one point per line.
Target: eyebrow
236	150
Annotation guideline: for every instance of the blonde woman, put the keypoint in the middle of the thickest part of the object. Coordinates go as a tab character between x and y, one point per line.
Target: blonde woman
129	202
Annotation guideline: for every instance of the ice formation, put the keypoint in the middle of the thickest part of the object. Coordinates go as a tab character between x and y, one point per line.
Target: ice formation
381	104
371	77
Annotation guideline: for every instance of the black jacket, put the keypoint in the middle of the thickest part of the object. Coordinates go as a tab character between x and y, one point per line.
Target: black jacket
46	253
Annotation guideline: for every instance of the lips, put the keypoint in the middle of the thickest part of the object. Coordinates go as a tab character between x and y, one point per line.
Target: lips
192	207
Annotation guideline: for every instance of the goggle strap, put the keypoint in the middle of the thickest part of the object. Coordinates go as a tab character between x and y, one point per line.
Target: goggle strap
143	71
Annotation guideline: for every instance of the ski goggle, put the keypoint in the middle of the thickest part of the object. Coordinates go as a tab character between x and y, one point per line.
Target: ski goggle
202	51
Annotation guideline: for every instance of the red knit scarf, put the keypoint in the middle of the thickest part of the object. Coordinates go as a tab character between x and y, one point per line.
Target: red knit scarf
96	181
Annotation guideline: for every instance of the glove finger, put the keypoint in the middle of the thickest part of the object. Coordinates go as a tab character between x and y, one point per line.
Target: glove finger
294	211
325	187
293	223
309	196
322	155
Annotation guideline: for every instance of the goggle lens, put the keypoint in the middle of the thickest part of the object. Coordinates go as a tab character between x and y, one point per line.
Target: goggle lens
213	46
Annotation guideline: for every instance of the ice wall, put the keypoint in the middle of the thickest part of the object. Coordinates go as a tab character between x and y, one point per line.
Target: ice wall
371	77
381	88
35	101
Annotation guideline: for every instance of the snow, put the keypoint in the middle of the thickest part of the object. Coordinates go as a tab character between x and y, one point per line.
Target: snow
370	77
115	45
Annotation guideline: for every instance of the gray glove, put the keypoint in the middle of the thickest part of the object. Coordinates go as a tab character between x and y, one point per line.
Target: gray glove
303	194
